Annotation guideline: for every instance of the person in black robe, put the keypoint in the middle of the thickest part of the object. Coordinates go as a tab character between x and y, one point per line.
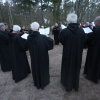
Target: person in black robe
87	35
18	48
92	65
55	32
30	31
4	49
23	30
72	38
38	46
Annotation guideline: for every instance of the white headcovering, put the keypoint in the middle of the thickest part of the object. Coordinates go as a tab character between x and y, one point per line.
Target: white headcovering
35	26
16	28
72	18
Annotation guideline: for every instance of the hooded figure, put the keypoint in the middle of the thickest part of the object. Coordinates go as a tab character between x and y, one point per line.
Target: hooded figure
92	65
4	49
38	46
18	48
72	38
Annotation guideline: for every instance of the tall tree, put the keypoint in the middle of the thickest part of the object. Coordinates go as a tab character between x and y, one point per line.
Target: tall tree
56	10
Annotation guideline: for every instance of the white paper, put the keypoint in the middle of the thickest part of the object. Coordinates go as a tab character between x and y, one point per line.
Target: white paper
41	31
24	36
87	30
63	26
45	31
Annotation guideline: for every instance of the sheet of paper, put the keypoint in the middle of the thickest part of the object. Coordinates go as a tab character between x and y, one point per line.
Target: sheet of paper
41	31
24	36
63	26
47	30
87	30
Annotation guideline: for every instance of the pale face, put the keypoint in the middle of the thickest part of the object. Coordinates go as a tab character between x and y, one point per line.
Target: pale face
23	27
6	26
56	24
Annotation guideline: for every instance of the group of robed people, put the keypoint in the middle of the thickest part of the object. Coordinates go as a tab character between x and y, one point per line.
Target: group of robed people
13	53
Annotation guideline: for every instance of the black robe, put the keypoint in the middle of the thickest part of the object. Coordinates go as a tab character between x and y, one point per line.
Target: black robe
87	37
38	46
92	65
20	65
72	39
56	31
4	51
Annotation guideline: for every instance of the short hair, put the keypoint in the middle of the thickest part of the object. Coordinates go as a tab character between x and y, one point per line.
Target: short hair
71	18
97	19
35	26
2	25
16	28
56	24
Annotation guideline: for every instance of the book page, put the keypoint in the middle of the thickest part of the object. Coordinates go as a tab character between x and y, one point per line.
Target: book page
63	26
24	36
45	31
87	30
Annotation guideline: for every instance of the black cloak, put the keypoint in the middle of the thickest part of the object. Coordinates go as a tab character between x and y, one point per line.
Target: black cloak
72	38
92	65
38	46
20	65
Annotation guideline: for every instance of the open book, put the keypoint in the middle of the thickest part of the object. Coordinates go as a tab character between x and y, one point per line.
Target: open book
24	36
87	30
45	31
63	26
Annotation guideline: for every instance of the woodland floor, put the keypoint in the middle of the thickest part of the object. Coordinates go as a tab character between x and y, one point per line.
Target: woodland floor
25	90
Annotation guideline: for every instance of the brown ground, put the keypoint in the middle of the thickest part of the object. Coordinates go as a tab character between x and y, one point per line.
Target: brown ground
25	90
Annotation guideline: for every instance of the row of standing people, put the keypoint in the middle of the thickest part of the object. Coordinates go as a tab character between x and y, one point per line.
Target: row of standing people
72	38
56	29
13	54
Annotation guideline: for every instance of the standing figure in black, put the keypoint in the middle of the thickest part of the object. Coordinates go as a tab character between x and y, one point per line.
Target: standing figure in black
38	46
92	65
22	31
56	31
18	48
4	49
72	38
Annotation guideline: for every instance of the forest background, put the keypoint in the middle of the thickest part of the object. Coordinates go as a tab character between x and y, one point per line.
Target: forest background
47	12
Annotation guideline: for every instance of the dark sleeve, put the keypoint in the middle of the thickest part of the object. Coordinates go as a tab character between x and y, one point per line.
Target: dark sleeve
49	43
62	37
90	38
83	38
53	31
4	38
22	43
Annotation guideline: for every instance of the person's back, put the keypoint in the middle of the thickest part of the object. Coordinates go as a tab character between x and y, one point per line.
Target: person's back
4	49
72	39
38	46
18	48
92	65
